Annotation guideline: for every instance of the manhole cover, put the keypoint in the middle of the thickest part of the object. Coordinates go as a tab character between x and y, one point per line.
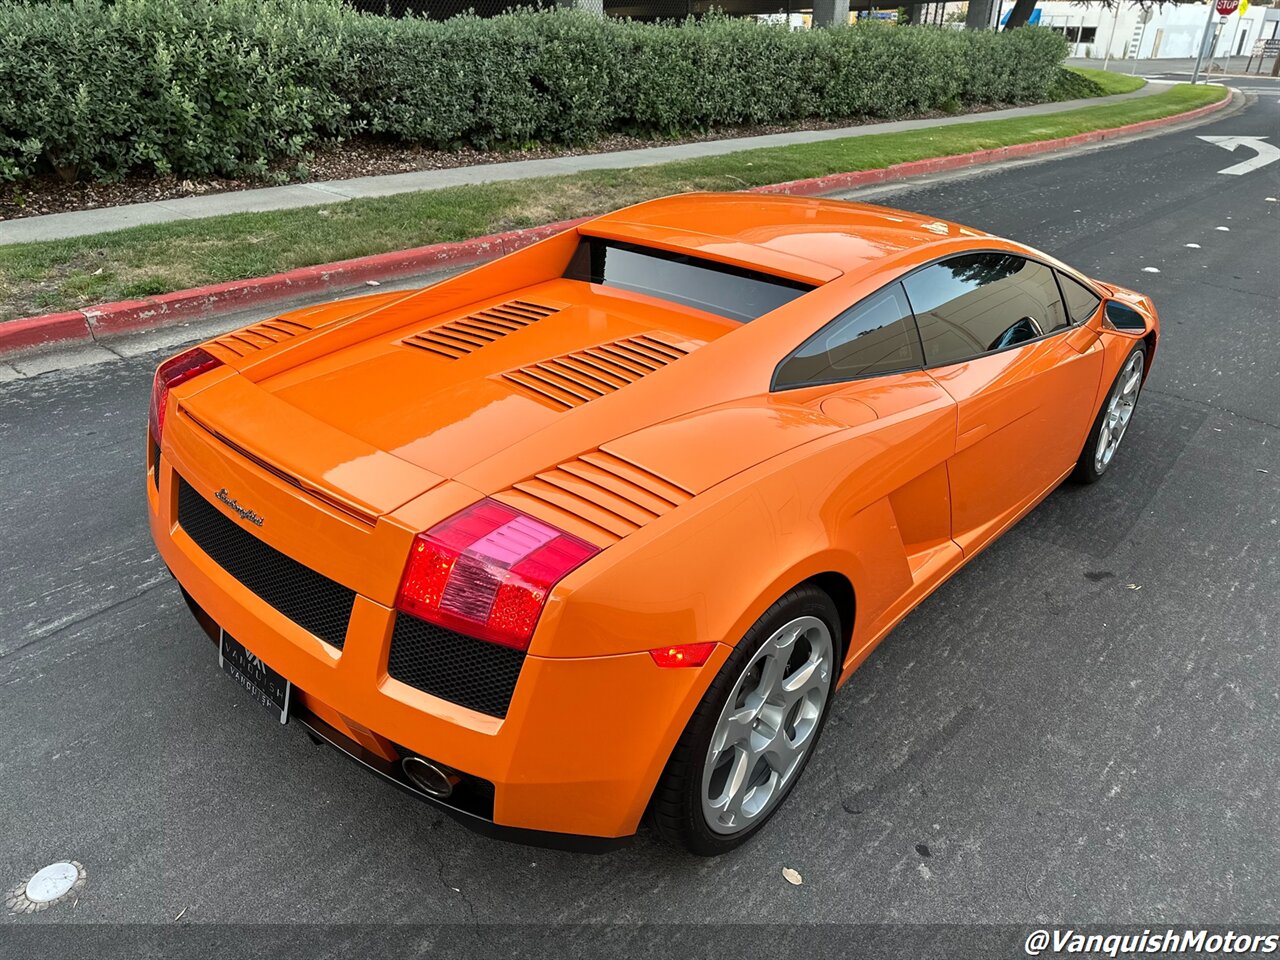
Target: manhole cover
46	887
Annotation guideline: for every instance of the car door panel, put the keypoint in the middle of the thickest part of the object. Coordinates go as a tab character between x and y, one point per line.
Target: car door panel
997	337
1021	417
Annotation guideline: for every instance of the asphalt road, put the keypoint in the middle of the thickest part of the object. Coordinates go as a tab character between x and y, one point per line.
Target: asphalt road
1083	724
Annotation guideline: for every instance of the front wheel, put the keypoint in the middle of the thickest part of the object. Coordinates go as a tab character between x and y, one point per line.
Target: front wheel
1113	419
751	736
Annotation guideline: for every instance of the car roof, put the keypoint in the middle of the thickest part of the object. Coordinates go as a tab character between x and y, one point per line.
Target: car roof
801	237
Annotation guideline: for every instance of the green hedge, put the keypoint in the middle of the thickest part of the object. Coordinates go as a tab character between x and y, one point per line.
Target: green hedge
231	87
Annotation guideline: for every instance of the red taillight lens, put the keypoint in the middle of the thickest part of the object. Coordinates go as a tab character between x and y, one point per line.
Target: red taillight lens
683	655
172	372
486	572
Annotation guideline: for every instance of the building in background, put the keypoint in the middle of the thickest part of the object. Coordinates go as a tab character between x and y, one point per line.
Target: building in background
1171	31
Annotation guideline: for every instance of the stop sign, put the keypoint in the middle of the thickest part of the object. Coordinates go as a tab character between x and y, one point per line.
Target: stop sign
1227	7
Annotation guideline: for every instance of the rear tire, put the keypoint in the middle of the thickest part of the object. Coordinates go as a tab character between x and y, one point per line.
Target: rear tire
1113	419
752	735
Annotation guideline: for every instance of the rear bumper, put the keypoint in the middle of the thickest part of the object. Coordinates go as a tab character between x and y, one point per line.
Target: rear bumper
573	762
577	843
322	732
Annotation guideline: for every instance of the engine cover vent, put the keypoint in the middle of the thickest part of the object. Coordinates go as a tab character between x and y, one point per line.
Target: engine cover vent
249	340
576	378
457	338
614	496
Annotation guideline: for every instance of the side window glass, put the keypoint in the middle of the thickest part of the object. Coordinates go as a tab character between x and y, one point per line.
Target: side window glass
876	335
979	303
1082	302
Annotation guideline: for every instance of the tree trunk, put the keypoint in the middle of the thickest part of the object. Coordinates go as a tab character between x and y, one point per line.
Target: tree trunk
1020	13
979	14
830	13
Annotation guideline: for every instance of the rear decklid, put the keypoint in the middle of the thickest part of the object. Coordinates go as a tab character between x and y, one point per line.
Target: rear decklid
350	474
445	392
492	376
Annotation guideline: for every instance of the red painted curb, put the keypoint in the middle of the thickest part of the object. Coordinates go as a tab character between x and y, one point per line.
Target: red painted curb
914	168
31	332
186	305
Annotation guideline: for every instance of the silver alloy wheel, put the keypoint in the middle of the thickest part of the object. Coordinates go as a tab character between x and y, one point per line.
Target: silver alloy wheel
767	726
1124	396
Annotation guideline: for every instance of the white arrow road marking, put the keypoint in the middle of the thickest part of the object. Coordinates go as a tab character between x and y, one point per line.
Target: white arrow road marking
1267	152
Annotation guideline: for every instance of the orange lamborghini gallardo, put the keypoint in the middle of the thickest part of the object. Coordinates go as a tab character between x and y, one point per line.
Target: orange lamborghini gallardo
596	529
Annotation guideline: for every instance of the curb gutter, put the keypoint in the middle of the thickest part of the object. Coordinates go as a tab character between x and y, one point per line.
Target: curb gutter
127	316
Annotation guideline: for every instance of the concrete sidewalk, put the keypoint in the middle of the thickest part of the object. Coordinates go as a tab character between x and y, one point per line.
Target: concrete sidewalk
84	222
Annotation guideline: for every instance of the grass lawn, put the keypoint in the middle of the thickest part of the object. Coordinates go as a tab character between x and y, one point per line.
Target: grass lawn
1111	83
66	274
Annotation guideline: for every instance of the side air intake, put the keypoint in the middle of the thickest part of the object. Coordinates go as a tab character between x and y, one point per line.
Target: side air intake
576	378
457	338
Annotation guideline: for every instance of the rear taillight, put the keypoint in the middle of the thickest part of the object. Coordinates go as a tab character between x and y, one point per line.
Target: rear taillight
486	572
172	372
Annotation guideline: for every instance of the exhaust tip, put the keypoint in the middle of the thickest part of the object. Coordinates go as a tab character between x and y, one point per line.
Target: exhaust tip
428	777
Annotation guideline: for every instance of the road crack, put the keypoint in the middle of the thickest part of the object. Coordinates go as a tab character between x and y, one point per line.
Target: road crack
1211	406
67	625
466	900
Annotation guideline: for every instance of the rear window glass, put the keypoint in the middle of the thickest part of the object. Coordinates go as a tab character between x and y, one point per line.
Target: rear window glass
707	285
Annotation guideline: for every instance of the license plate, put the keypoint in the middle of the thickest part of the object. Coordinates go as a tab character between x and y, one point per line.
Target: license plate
264	684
